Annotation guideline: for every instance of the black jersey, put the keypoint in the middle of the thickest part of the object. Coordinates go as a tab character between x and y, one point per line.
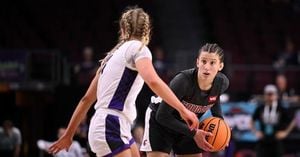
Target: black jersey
186	88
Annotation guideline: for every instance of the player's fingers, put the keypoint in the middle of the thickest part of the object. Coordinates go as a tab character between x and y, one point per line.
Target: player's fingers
207	145
204	147
190	124
51	148
208	134
194	125
55	148
56	151
194	122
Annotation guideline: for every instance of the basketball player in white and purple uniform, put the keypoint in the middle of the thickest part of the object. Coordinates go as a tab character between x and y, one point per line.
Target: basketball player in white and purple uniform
115	87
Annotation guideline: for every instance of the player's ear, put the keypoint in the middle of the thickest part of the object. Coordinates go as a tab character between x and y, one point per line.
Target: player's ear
221	66
197	62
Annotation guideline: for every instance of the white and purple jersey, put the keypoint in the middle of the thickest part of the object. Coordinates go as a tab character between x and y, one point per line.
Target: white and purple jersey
119	83
118	87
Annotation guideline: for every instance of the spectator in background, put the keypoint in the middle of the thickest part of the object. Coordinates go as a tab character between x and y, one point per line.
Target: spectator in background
85	70
286	95
81	135
10	140
274	124
287	57
75	149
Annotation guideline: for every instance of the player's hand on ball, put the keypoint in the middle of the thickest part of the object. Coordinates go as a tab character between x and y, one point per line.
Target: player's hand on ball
200	139
63	142
190	118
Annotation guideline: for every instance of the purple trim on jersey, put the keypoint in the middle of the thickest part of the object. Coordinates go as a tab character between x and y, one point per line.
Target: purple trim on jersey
112	132
120	149
125	84
113	136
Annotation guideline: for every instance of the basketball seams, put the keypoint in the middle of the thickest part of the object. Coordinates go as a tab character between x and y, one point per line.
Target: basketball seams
216	132
212	118
213	140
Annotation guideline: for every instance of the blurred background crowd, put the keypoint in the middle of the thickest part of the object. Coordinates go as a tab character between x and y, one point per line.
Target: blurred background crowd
49	52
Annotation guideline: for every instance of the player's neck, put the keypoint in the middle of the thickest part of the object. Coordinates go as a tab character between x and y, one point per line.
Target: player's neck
204	84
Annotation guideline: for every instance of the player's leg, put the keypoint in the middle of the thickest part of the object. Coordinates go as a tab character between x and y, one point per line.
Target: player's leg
157	142
157	154
186	147
138	133
134	150
190	155
125	153
110	135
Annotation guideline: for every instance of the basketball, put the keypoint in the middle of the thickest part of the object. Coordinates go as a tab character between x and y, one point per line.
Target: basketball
220	130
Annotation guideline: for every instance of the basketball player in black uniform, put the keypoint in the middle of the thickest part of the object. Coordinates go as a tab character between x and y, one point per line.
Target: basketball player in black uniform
199	89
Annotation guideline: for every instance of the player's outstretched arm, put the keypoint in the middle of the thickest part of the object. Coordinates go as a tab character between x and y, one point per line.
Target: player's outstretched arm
82	108
148	73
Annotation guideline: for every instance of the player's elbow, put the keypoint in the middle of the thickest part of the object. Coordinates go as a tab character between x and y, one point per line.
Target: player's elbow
87	99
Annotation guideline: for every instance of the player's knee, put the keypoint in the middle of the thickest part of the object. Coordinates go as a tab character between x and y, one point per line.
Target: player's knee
157	154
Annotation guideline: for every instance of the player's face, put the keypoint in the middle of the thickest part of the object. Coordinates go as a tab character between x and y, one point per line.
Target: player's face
209	64
270	97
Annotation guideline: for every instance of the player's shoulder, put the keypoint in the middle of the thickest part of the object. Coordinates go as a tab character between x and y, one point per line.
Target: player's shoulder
135	44
188	72
223	80
184	77
221	76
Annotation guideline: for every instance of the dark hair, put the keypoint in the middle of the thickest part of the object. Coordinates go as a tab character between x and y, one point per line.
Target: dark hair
213	48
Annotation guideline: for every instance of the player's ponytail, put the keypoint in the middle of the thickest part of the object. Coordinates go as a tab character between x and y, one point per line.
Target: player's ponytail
134	24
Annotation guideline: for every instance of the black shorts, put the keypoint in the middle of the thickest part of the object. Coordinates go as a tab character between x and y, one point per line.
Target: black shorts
162	139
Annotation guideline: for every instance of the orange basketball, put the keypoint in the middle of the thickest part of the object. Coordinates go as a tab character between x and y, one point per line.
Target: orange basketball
220	130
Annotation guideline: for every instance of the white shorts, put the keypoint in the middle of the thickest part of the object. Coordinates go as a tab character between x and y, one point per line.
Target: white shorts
146	145
109	133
